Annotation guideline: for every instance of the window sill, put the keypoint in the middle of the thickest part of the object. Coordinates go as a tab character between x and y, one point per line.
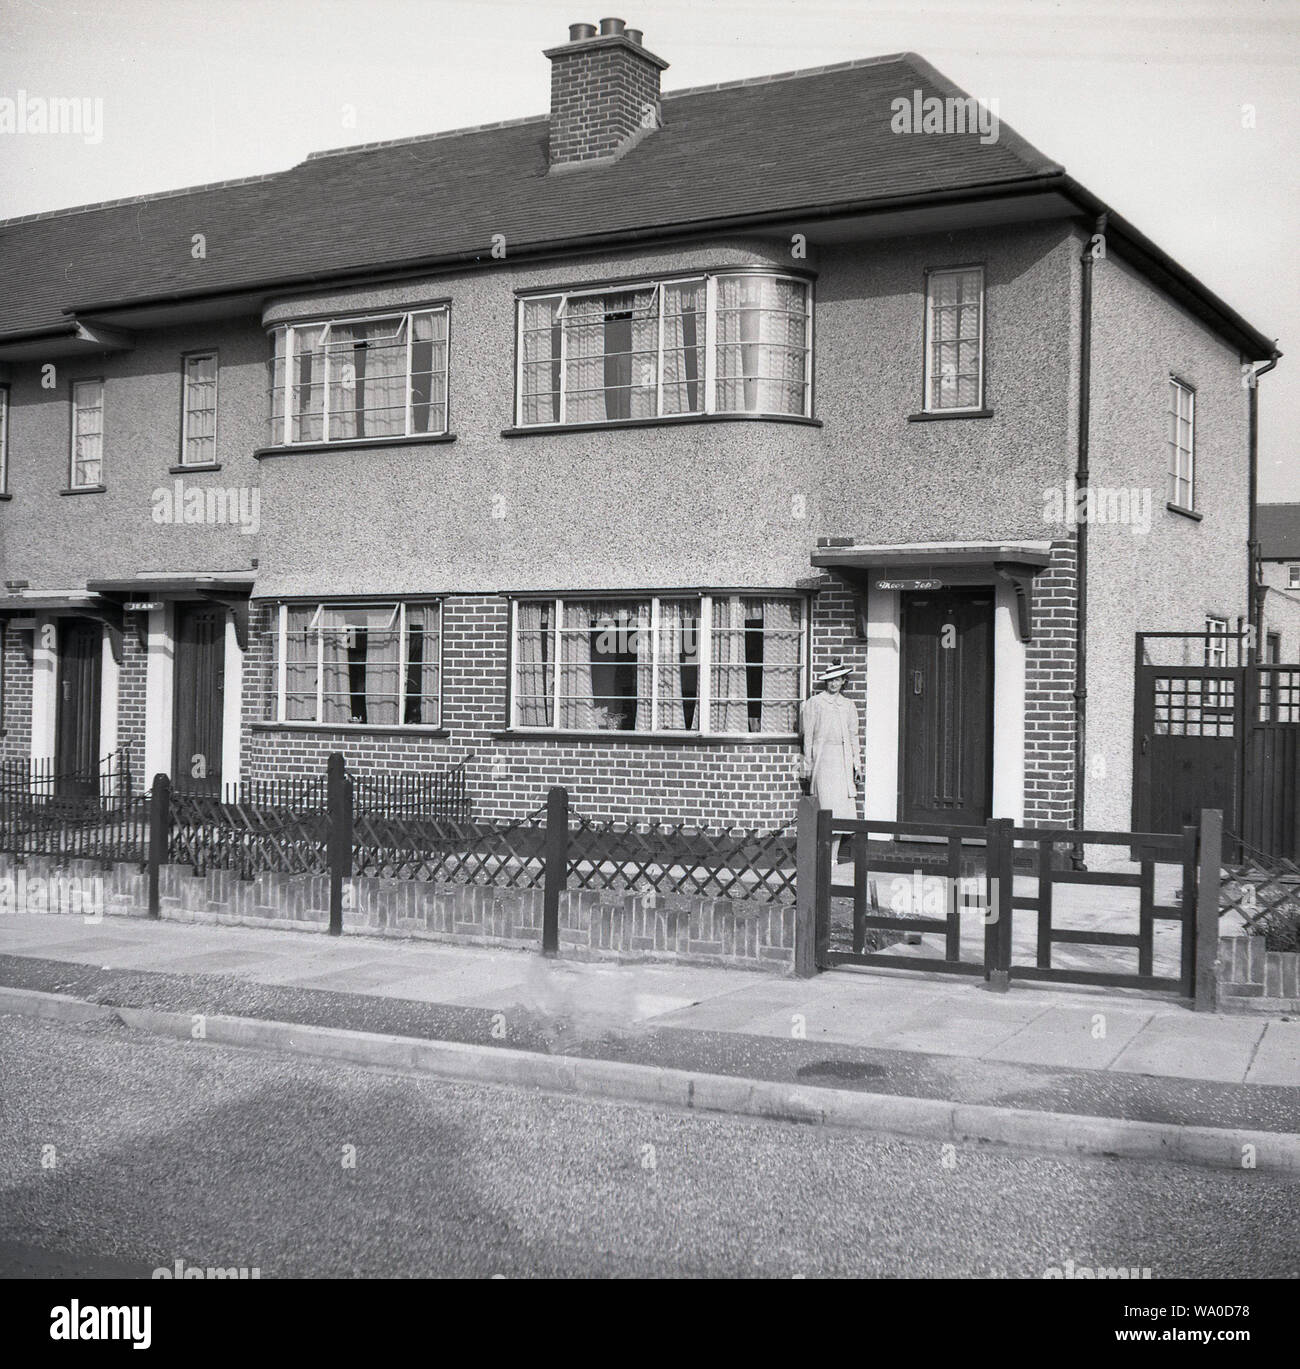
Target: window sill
1186	513
354	444
353	729
941	415
668	421
86	489
544	734
183	469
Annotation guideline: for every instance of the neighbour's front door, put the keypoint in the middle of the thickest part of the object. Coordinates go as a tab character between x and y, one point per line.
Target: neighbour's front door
946	746
76	724
199	702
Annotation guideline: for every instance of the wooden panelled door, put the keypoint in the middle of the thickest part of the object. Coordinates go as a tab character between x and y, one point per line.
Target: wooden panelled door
199	698
76	718
946	711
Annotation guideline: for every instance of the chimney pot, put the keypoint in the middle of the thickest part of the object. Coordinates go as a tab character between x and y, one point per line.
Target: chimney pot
611	26
577	32
635	35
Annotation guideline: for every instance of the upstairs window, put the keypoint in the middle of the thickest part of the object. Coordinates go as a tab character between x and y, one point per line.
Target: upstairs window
87	464
1182	444
4	439
359	664
1293	577
380	377
199	410
730	343
954	339
721	664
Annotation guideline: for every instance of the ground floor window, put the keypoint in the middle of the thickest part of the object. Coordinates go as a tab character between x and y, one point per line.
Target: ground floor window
375	664
702	663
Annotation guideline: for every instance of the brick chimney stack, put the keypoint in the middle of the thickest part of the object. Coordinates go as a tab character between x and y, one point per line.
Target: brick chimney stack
604	94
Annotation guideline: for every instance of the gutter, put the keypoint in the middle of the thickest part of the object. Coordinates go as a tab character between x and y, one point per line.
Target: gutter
1254	570
1082	477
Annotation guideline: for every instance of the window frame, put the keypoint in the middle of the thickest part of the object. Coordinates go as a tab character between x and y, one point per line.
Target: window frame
928	340
704	697
283	438
202	354
77	385
400	606
1179	386
1293	576
708	379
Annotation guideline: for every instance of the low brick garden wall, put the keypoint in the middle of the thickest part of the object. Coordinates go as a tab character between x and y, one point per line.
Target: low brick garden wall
1254	979
593	924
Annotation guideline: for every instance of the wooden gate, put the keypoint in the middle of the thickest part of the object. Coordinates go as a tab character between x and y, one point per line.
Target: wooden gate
1270	789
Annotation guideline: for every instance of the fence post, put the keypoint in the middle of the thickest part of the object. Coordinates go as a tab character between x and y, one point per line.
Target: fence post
1206	929
338	842
557	866
160	803
1000	874
806	874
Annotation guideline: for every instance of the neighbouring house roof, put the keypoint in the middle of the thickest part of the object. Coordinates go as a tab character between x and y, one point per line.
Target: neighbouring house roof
807	145
1278	530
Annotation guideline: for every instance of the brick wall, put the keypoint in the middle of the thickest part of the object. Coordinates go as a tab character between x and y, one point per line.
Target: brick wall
132	706
16	721
1049	693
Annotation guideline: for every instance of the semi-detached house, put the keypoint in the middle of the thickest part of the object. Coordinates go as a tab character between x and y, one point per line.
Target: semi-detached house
578	445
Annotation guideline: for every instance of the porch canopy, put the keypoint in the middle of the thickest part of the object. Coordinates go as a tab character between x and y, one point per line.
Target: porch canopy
17	607
140	593
936	565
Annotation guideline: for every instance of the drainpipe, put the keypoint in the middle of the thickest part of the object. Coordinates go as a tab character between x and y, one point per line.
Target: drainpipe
1254	599
1082	477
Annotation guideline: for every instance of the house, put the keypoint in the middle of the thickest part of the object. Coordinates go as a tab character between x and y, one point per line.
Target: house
1279	577
578	445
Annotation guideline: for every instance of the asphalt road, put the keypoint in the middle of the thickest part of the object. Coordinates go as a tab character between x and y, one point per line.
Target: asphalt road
167	1150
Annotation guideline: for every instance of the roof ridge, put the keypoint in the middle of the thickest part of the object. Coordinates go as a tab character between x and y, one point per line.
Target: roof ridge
790	75
422	137
141	199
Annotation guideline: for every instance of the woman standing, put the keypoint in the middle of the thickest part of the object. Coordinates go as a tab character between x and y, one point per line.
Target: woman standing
829	722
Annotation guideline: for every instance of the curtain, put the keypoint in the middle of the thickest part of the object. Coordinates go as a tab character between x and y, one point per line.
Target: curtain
308	385
730	712
611	342
577	704
645	649
299	666
534	663
677	647
429	373
367	378
422	659
781	684
683	359
361	655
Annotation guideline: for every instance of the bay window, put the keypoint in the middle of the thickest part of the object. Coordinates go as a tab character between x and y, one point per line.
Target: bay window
713	664
726	343
365	664
383	376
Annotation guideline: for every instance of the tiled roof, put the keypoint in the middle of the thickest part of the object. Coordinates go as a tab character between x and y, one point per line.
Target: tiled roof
768	146
1278	530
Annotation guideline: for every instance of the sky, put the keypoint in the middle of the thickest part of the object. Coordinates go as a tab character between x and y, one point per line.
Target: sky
1182	114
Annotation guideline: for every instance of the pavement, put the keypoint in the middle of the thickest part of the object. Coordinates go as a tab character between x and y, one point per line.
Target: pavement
905	1048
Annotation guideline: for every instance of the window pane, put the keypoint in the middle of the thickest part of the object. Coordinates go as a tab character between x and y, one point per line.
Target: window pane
200	410
953	324
605	665
535	663
756	677
301	669
361	662
423	653
679	665
88	433
429	373
683	356
367	379
611	344
307	386
761	347
540	343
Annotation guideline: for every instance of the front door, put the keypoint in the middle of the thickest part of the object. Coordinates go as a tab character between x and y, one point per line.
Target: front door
199	702
76	719
947	707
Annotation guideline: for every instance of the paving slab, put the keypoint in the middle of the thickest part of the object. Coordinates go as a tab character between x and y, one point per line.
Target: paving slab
1277	1059
1194	1046
1077	1038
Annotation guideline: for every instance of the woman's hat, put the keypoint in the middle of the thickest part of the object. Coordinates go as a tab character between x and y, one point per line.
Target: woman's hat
835	671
